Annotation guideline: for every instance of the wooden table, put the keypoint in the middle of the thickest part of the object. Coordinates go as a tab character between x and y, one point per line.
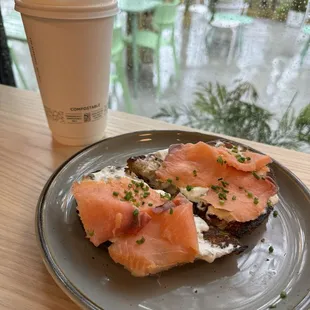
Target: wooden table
28	156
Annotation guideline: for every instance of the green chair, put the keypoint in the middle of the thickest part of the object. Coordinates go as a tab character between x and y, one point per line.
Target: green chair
164	18
242	19
306	30
235	23
117	54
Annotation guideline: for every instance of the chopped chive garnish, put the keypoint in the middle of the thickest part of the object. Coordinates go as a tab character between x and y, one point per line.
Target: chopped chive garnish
189	188
222	202
129	185
249	194
171	211
137	204
146	194
283	295
169	181
272	306
135	212
256	175
256	201
275	213
241	159
195	173
150	204
146	188
224	190
115	194
136	190
270	249
234	197
166	196
128	196
135	183
215	188
224	183
177	178
91	233
234	150
140	241
222	196
220	160
269	203
248	158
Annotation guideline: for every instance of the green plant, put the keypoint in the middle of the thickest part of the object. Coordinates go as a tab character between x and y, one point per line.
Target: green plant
281	12
286	132
260	9
235	112
303	124
277	10
299	5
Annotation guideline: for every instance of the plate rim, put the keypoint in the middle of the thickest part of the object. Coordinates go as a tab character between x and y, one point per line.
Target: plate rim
54	270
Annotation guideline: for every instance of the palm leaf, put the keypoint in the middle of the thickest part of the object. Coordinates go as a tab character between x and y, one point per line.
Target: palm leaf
235	112
303	124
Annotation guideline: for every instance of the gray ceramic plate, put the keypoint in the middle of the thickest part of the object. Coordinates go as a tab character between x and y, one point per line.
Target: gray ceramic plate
253	280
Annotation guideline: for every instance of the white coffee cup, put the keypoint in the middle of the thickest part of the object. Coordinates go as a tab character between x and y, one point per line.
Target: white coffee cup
70	44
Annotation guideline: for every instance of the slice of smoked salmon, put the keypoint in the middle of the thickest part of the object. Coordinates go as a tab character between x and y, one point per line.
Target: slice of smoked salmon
244	161
192	165
169	239
108	209
244	199
200	163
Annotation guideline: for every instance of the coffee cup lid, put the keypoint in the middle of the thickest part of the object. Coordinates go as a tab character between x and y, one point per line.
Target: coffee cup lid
67	9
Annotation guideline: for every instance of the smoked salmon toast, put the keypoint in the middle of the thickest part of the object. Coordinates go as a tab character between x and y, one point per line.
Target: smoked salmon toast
149	230
231	187
189	202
